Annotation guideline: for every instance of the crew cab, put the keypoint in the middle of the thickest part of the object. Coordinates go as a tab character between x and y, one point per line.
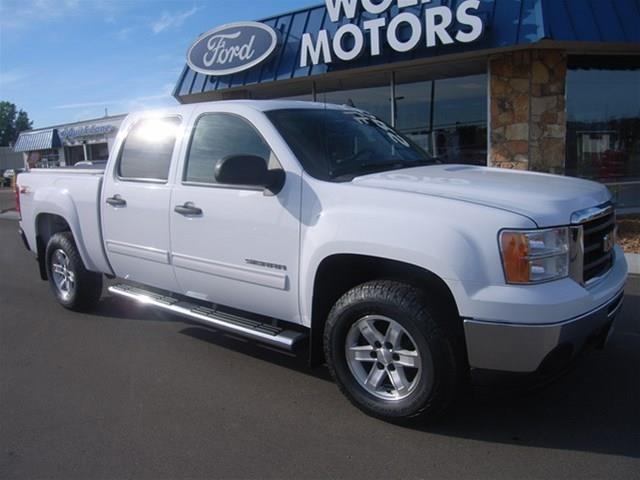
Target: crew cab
295	223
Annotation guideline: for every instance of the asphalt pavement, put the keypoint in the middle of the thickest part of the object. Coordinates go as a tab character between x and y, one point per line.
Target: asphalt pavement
126	392
7	199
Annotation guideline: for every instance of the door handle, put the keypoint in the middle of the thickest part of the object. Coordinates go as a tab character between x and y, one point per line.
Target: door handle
117	201
188	210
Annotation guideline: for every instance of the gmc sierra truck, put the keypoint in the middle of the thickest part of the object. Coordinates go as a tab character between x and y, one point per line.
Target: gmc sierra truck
295	223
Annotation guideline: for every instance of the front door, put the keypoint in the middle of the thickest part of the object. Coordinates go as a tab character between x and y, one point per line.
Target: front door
135	204
236	246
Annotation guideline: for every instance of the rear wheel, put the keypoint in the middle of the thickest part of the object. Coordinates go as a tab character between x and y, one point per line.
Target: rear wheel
393	354
75	287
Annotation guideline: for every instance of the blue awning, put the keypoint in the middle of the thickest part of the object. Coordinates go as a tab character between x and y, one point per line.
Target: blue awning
508	24
40	140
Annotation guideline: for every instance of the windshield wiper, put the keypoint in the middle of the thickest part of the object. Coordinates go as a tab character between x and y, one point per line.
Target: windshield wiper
369	168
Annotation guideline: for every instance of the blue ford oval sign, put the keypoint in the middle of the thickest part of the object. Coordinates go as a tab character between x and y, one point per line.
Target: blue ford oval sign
232	48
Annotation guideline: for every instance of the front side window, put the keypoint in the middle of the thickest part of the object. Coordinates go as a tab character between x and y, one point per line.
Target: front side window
147	150
338	145
217	136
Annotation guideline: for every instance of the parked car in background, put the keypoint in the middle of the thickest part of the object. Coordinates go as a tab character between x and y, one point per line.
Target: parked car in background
294	222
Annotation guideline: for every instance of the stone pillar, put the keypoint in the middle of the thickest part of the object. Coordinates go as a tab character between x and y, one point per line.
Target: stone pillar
528	110
548	148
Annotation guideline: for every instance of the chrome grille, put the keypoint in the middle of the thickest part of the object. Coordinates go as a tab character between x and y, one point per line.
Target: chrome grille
598	238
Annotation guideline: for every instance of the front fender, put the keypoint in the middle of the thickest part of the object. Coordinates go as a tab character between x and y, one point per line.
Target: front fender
456	241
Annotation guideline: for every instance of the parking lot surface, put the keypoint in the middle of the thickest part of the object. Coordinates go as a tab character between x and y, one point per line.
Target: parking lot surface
126	392
7	199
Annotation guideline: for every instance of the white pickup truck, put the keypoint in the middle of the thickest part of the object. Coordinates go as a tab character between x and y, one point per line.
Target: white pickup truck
297	223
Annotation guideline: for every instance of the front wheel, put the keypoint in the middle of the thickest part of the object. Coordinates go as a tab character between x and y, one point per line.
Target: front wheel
75	287
393	354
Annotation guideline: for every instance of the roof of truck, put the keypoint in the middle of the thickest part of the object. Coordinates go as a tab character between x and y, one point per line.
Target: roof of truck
259	105
267	105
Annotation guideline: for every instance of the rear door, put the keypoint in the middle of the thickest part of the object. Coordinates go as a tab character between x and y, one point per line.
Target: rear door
135	203
241	249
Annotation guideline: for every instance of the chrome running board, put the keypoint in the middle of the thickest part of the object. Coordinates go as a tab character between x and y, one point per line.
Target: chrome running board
246	327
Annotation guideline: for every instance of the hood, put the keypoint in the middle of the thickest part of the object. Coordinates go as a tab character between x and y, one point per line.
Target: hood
549	200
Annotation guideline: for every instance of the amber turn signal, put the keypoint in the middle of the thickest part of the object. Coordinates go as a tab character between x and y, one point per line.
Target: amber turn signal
515	257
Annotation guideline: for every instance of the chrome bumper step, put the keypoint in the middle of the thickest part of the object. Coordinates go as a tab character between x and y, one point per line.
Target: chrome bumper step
263	332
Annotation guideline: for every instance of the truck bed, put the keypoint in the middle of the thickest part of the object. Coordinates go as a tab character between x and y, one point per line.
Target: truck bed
73	194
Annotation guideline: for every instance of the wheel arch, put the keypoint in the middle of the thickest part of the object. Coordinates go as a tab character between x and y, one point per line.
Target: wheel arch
338	273
47	225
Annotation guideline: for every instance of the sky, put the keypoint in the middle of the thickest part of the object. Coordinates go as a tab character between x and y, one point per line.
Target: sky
67	60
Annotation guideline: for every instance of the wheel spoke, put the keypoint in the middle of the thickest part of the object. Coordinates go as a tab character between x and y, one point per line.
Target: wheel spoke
375	377
370	332
393	335
71	277
362	353
57	268
408	358
60	257
399	380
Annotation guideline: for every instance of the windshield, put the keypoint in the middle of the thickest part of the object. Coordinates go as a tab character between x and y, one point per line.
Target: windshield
338	145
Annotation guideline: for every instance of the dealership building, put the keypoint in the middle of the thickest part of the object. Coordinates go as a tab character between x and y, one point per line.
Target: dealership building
543	85
68	144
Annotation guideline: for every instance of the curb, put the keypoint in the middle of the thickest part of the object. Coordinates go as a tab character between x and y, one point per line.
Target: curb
633	261
9	215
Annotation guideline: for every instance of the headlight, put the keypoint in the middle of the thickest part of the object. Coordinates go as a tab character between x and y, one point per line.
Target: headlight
535	256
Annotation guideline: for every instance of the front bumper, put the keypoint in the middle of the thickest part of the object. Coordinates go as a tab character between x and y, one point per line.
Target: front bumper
533	347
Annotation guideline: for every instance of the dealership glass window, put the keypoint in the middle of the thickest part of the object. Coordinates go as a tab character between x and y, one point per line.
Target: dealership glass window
74	154
460	119
603	124
414	111
447	117
306	97
374	100
44	159
147	150
603	133
98	151
372	94
219	135
443	109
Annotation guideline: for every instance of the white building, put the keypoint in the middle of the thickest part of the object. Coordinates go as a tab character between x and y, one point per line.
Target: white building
68	144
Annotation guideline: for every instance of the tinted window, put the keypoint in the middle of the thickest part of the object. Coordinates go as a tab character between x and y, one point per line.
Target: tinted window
447	117
146	153
603	124
341	144
219	135
376	100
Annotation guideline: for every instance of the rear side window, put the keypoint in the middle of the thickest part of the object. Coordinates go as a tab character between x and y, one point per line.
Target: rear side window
219	135
147	150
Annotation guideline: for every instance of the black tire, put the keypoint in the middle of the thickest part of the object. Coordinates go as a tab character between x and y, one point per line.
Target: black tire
86	288
436	336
